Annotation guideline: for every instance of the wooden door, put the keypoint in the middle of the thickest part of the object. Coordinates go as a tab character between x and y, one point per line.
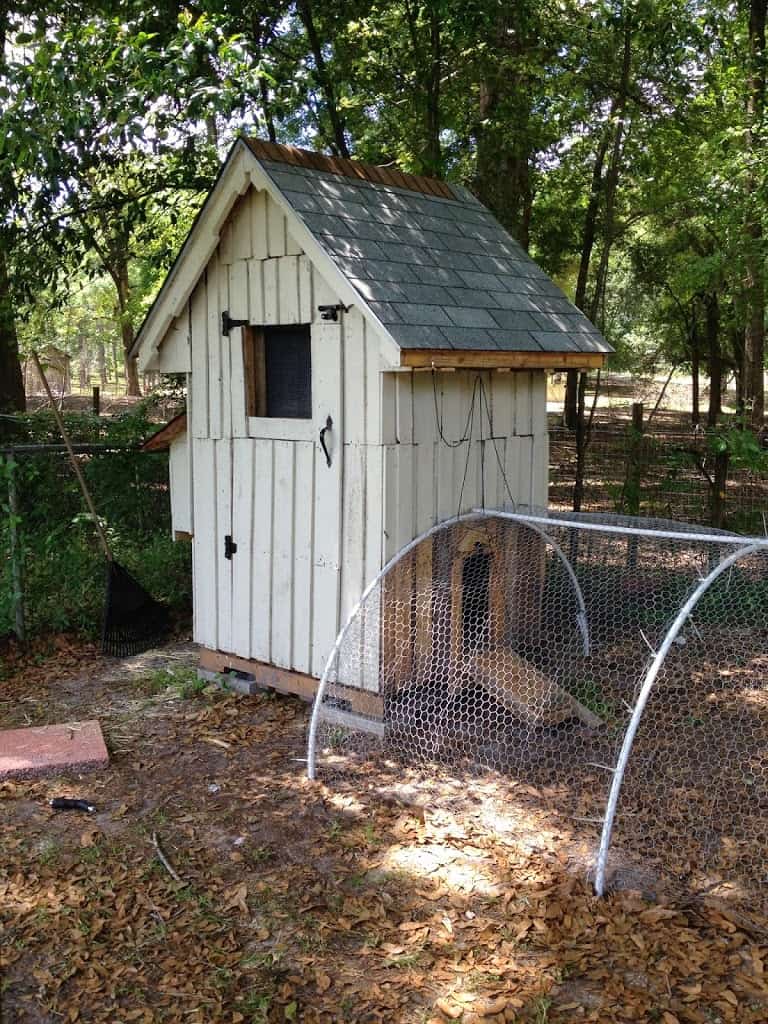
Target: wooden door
212	570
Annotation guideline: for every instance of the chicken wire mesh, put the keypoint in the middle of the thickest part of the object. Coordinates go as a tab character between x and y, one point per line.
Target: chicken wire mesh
614	664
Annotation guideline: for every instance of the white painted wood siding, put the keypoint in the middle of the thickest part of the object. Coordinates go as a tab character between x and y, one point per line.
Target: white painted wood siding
309	536
180	473
431	474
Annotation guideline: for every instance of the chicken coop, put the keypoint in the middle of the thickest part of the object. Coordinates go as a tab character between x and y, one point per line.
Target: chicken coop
366	355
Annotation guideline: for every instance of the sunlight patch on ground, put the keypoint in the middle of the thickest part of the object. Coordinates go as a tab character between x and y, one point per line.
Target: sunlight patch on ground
455	868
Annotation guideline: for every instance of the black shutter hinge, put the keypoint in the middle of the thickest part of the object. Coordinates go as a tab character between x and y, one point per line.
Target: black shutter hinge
332	312
229	547
227	323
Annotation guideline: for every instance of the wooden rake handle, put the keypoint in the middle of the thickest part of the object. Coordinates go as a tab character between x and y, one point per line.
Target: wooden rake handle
75	465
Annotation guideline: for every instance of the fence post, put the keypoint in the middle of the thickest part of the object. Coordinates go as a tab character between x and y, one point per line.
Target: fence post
633	479
96	401
17	569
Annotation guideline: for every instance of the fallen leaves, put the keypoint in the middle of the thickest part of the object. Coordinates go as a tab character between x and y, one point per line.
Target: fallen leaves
309	904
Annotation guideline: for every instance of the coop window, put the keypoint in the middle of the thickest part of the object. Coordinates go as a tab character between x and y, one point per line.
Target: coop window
476	600
278	371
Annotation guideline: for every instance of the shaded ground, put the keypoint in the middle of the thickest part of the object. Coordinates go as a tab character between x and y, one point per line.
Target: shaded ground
372	901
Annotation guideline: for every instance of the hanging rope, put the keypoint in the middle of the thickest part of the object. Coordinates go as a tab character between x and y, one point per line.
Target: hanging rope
499	459
478	402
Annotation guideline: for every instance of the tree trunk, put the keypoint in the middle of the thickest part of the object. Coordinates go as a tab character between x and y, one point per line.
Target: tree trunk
598	188
695	368
101	356
12	398
338	135
718	488
754	290
581	443
120	277
433	156
714	359
504	147
266	109
570	411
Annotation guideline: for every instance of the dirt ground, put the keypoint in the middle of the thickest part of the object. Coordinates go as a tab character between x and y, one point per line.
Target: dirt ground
377	899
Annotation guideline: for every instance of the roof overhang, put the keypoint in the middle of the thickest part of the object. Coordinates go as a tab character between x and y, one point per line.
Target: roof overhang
165	436
493	359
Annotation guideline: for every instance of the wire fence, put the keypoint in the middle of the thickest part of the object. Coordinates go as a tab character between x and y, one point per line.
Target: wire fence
668	475
51	566
613	666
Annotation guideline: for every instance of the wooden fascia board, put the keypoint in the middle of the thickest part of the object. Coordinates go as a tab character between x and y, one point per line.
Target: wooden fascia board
194	256
485	359
324	263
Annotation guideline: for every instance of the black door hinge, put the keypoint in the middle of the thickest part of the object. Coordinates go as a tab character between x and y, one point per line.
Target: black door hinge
229	547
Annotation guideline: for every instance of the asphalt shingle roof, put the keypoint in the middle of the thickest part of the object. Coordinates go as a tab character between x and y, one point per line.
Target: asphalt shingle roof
438	270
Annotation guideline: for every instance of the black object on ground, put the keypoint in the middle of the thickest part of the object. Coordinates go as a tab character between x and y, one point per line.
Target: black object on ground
66	803
133	620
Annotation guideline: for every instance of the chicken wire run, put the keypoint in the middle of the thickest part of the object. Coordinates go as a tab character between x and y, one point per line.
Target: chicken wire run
619	662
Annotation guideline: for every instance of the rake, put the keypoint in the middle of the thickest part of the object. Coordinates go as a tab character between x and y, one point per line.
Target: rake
133	621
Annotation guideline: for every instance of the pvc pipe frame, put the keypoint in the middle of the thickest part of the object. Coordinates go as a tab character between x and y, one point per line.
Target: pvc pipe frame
637	713
530	522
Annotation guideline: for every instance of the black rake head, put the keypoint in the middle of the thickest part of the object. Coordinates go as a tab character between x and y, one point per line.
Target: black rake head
133	620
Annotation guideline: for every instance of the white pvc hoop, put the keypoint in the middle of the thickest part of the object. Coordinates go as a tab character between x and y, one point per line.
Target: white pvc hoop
533	524
637	531
645	692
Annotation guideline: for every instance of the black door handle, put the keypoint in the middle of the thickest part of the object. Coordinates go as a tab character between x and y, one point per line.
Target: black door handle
229	547
328	426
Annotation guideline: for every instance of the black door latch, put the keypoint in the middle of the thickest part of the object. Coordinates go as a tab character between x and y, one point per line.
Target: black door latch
328	426
229	547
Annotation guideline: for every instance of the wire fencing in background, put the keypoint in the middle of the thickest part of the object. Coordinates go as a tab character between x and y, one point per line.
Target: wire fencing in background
52	572
660	474
614	666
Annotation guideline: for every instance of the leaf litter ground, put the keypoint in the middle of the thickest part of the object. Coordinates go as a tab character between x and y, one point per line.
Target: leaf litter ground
385	898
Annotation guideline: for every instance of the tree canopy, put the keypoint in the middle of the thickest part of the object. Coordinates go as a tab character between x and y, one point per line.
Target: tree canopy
621	141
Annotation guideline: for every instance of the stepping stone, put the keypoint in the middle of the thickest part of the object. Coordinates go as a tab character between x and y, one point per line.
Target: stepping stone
49	749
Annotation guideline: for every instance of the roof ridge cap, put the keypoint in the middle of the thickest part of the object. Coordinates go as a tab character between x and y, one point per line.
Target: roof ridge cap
376	174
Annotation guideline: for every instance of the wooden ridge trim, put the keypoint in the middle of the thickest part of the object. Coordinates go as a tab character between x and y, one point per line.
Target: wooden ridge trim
392	176
361	701
490	359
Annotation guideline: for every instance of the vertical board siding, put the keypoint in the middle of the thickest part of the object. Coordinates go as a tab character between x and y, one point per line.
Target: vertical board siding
179	469
428	478
199	381
256	291
243	523
301	560
327	369
261	565
258	205
306	302
215	418
303	532
272	295
223	470
354	389
282	555
205	548
276	229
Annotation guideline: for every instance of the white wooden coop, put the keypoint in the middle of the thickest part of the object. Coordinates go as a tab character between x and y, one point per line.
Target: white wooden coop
333	320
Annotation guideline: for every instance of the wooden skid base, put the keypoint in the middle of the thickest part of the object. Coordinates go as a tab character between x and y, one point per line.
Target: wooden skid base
270	677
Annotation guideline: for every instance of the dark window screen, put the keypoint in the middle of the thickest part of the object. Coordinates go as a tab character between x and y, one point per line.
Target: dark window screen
288	371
